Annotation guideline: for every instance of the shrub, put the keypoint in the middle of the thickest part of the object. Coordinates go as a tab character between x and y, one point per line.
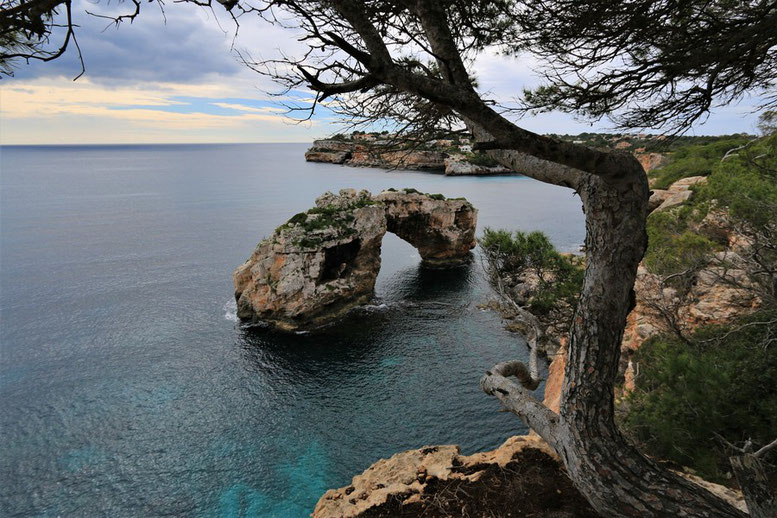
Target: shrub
672	247
694	160
512	255
481	159
721	383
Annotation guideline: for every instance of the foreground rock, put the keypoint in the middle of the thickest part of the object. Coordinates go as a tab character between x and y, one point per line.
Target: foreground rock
520	478
442	230
315	267
324	262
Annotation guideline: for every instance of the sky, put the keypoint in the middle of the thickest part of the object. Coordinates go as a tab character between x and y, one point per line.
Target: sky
176	78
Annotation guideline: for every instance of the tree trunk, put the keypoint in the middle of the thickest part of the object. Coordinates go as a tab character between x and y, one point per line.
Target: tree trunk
615	478
752	479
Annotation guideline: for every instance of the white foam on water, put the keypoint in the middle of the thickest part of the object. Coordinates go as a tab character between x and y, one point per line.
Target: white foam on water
230	310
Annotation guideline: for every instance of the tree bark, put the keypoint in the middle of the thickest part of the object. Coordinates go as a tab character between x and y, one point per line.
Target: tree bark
752	479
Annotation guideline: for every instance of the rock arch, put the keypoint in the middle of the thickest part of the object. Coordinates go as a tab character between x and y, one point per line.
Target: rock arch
323	262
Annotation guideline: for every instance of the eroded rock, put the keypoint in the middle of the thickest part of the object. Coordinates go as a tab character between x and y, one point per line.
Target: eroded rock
441	229
520	478
316	266
677	193
324	262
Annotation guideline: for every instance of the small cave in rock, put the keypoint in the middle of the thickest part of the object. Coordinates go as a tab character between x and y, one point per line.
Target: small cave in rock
338	260
464	218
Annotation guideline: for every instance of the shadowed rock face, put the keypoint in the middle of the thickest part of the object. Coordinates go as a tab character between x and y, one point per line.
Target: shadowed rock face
324	262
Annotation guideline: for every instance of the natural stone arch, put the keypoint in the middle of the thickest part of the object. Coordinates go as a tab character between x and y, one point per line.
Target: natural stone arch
442	230
323	262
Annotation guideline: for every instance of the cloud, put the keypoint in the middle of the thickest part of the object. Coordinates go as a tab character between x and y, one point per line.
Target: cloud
57	110
176	78
243	107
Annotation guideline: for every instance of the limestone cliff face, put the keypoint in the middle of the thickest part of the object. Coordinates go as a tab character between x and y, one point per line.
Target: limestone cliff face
315	267
442	230
415	160
650	161
361	155
322	263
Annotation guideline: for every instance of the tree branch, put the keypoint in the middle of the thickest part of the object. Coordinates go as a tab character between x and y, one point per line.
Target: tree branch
518	400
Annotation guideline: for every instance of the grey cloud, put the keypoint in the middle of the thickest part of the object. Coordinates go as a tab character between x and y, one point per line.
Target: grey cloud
184	49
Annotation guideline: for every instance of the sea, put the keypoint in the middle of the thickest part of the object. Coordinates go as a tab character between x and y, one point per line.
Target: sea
128	387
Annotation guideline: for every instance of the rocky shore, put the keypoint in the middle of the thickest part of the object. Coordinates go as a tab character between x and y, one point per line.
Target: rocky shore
362	154
322	263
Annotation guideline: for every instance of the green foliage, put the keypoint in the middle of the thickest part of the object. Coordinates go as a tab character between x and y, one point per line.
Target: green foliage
436	196
320	218
481	159
694	160
747	184
721	383
512	254
300	217
672	247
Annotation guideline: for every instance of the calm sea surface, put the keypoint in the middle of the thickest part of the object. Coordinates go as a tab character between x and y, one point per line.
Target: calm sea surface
127	386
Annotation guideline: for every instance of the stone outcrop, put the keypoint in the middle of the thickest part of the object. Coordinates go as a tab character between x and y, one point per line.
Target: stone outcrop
415	160
324	262
458	166
316	266
708	301
523	477
650	161
677	193
520	478
442	230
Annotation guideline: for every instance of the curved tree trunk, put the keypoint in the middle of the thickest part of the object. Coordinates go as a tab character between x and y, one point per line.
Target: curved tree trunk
615	478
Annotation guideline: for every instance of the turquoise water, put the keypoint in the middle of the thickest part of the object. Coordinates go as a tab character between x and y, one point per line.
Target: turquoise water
127	386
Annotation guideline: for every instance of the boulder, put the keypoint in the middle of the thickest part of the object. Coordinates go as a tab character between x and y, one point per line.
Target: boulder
441	229
677	194
315	267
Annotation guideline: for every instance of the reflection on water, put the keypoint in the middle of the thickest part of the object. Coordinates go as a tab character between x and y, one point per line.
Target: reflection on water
128	387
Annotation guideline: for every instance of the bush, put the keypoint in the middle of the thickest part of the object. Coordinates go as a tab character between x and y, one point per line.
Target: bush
694	160
511	255
722	382
481	159
672	247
